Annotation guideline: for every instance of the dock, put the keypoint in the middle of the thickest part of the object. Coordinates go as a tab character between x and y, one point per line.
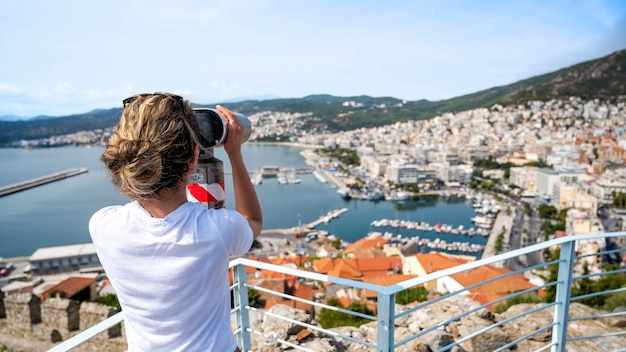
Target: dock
20	186
326	218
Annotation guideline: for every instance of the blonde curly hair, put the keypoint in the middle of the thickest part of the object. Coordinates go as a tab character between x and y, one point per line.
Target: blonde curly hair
152	145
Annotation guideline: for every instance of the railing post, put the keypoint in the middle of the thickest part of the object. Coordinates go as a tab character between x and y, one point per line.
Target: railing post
386	313
563	292
240	296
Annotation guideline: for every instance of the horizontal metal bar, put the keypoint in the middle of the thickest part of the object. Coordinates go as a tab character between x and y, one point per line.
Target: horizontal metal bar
87	334
495	325
317	304
515	342
305	274
587	337
593	294
427	303
552	344
600	253
608	315
328	332
603	273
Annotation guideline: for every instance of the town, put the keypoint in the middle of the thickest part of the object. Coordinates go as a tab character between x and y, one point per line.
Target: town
554	169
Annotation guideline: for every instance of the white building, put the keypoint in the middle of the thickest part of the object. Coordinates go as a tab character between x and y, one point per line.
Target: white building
60	259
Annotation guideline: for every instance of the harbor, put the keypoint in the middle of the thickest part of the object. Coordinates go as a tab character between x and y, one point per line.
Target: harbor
284	206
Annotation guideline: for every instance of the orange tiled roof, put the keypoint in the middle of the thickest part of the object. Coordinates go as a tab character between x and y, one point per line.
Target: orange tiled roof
378	264
368	242
69	287
513	283
345	268
384	280
365	252
435	261
323	265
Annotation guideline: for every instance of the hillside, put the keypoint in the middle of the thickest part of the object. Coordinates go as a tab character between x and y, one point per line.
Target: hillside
602	78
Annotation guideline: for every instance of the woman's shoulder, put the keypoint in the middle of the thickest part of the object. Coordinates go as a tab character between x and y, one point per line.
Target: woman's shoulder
110	211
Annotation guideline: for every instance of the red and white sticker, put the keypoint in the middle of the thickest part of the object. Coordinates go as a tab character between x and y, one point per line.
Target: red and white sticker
205	193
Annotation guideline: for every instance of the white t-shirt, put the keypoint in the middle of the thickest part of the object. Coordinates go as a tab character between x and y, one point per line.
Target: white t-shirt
171	274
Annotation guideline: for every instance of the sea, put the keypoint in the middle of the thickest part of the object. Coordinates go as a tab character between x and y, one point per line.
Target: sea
58	213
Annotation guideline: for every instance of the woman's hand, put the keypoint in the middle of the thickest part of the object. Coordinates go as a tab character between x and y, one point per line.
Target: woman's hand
235	131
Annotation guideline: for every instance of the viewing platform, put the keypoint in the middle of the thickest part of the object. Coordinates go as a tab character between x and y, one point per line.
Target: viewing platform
20	186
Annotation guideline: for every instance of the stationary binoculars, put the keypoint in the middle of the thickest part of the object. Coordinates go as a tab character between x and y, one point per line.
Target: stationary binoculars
214	127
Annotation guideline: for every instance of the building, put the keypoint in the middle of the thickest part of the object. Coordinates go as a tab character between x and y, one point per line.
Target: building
546	179
61	259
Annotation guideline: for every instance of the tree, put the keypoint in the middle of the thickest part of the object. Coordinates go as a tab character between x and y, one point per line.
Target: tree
619	200
336	243
547	211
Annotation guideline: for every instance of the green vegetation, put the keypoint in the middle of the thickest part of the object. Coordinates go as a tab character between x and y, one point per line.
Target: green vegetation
548	228
416	294
589	285
547	211
5	348
619	200
499	245
345	156
336	243
254	298
109	300
329	318
493	165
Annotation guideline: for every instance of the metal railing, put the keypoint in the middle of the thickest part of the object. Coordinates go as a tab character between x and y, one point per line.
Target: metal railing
564	275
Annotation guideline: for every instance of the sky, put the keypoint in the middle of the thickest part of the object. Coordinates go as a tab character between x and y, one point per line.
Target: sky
61	57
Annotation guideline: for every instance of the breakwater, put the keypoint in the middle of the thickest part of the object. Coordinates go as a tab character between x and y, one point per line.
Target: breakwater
20	186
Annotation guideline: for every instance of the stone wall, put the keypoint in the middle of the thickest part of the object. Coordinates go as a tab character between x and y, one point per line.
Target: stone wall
59	316
93	313
23	310
57	319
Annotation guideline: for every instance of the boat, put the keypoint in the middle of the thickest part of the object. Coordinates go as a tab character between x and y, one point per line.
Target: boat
484	222
376	196
319	176
398	195
344	192
257	179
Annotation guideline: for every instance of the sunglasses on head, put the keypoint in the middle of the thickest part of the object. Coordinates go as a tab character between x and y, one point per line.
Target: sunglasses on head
175	97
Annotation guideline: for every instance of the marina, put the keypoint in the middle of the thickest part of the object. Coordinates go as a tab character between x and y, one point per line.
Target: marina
424	226
426	244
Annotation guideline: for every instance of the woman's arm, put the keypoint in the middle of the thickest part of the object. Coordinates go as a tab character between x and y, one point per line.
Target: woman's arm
246	200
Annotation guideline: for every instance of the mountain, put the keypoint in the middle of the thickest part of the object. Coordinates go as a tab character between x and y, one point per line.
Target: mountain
603	78
12	118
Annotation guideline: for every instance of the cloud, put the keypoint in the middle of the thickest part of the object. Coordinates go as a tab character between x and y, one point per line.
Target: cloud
61	98
9	89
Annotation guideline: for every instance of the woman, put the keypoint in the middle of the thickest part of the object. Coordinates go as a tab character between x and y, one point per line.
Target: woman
167	258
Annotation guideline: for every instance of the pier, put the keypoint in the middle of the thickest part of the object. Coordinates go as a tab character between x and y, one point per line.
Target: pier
326	218
20	186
